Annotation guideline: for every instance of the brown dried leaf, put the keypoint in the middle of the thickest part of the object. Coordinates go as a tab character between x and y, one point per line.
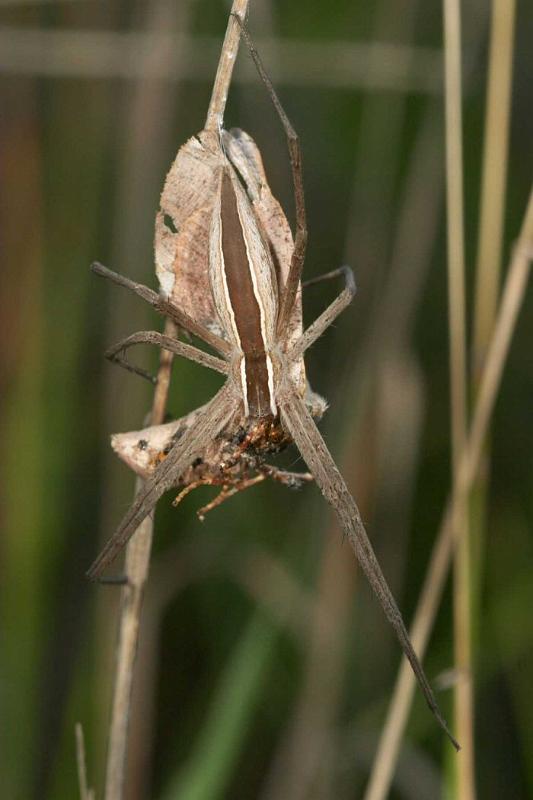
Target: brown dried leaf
182	228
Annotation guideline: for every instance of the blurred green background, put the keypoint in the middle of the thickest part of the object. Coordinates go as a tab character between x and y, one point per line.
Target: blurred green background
265	664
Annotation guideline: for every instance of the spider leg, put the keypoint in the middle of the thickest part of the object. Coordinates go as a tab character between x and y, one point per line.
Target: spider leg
202	431
299	423
116	353
328	316
295	155
113	580
165	308
327	276
291	479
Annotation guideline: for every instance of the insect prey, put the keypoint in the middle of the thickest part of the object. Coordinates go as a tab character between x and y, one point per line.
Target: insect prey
230	275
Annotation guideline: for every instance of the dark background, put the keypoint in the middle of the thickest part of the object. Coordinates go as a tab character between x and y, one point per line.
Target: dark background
266	665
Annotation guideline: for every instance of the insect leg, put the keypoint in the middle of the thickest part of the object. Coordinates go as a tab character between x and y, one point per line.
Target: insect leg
295	155
328	316
299	423
201	432
165	308
116	353
228	491
190	488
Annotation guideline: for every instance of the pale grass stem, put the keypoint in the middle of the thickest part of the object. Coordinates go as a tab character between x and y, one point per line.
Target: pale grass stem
136	567
463	693
81	760
455	226
432	590
494	175
139	548
145	120
489	257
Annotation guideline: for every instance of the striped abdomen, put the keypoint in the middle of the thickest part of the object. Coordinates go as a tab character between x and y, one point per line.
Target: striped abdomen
245	291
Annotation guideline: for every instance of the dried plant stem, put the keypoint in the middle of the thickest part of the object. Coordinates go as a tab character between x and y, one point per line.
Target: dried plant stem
463	694
226	63
489	258
139	548
489	253
136	570
513	295
81	760
494	174
455	232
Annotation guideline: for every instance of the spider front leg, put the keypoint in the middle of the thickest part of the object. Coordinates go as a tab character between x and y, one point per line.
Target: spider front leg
295	155
328	316
165	307
116	353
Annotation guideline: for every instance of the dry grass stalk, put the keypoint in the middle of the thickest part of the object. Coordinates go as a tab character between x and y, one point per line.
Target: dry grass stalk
147	113
494	176
463	693
489	256
139	549
430	596
81	760
136	570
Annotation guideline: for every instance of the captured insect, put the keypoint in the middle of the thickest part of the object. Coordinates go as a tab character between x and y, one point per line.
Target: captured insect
238	289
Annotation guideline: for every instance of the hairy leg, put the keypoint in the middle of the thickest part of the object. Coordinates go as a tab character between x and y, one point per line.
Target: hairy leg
328	316
116	353
165	308
291	479
299	423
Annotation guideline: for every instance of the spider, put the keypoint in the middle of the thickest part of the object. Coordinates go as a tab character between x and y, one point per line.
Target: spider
245	303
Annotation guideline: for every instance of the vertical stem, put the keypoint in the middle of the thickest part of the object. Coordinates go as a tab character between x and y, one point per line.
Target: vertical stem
434	582
139	547
494	176
463	696
455	231
81	759
219	95
489	252
136	569
147	112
